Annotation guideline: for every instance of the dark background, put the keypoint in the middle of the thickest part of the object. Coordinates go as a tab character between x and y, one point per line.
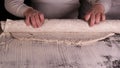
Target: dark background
3	13
6	15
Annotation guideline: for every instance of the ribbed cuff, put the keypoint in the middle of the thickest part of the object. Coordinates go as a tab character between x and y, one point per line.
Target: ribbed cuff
21	10
106	4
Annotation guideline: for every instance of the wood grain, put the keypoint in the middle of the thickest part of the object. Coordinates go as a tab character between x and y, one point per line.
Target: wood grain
36	54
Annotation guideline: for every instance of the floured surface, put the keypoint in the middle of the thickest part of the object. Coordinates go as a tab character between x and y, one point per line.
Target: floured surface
16	53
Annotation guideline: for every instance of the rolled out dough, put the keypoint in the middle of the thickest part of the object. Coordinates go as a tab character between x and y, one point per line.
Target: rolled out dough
62	25
69	31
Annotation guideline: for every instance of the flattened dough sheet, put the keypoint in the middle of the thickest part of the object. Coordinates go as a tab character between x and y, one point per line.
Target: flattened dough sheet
70	32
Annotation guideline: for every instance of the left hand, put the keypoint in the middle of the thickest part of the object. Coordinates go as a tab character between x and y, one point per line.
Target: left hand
95	15
34	18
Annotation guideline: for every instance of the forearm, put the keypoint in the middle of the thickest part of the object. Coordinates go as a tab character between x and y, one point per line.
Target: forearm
16	7
106	4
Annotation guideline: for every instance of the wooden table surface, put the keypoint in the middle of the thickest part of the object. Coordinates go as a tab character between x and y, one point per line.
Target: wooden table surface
36	54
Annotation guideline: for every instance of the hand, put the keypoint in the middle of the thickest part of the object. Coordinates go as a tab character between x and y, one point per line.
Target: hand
95	15
34	18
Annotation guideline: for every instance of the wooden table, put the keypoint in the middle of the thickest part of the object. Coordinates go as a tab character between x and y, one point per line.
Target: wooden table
37	54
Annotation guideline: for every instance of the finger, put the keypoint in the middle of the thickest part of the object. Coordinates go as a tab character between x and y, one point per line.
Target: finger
27	20
38	22
41	16
98	17
87	16
92	20
103	17
33	22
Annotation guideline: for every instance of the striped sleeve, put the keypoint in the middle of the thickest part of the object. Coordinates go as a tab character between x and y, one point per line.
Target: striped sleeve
16	7
105	3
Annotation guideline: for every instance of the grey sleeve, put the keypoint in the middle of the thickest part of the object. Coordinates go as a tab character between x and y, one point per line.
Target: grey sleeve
16	7
106	3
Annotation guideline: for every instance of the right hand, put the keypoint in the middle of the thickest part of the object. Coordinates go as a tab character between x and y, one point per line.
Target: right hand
95	15
34	18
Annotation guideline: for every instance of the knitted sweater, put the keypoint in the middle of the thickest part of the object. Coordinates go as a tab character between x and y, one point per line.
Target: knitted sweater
50	8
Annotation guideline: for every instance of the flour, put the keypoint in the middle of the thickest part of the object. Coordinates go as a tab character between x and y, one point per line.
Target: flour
69	32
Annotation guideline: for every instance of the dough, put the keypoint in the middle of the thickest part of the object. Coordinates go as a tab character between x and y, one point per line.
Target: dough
63	38
69	32
61	25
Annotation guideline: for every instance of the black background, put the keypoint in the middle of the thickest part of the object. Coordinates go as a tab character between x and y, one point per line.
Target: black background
6	15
